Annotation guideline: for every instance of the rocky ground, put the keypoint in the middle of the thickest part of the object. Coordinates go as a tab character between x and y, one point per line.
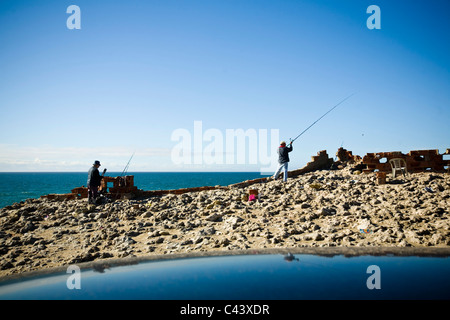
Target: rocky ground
319	209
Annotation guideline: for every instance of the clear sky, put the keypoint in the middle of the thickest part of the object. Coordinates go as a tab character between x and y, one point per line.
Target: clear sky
138	71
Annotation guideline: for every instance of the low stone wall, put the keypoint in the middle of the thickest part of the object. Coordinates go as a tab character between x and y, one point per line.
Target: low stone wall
416	161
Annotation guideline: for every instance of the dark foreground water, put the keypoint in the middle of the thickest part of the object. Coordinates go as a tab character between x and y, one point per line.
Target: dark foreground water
247	277
19	186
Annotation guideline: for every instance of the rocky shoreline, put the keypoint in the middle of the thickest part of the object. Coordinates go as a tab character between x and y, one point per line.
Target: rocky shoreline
325	208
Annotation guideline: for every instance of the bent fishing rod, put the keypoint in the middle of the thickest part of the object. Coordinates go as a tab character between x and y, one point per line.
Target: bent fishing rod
321	118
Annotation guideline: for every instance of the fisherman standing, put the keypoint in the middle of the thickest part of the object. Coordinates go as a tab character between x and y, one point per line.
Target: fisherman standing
93	182
283	160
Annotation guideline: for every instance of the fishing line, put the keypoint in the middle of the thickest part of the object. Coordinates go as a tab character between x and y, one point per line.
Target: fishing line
334	107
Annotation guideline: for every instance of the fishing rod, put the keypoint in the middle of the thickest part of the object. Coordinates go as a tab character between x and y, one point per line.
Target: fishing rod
321	118
126	167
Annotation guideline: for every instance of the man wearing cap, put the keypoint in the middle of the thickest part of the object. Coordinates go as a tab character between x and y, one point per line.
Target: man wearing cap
283	160
93	182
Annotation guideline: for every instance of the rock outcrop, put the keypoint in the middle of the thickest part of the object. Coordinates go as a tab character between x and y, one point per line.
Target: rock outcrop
316	209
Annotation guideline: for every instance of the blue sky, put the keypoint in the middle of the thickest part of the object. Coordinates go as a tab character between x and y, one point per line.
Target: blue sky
137	71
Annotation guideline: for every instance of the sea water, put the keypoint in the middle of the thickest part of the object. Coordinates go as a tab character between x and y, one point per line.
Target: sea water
19	186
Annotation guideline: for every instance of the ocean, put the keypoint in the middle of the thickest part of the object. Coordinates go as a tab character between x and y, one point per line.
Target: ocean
19	186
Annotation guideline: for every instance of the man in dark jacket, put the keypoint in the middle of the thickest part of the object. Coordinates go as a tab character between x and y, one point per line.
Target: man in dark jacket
93	182
283	160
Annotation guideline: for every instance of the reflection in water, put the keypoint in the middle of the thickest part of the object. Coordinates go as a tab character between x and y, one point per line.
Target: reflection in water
290	257
247	277
100	268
